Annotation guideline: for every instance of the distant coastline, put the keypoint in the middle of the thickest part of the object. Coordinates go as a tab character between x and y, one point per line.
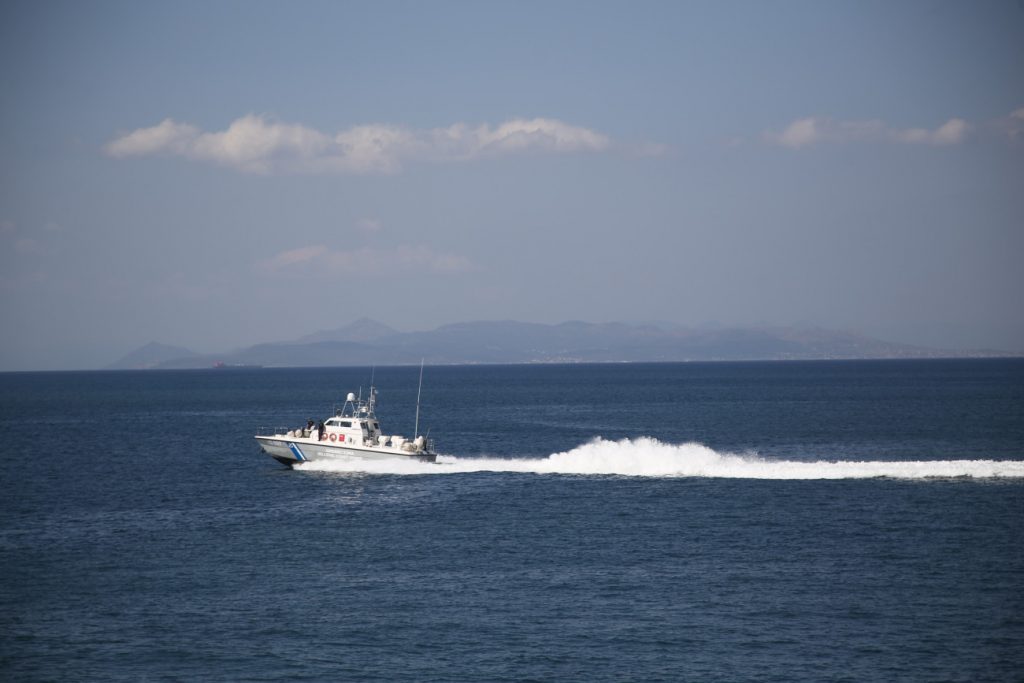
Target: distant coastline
367	342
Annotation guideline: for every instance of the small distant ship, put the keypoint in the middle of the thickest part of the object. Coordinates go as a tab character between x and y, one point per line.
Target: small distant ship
221	365
352	432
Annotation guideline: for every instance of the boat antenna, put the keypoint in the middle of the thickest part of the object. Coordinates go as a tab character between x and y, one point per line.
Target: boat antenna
416	431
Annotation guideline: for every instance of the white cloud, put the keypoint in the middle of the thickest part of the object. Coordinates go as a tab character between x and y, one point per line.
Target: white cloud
952	132
799	133
255	144
402	260
540	134
814	130
167	136
252	144
293	256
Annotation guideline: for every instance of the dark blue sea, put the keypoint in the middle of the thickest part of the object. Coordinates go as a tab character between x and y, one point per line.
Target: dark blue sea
820	521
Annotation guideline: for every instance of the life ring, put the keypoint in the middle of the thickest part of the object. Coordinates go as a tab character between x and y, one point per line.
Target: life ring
333	437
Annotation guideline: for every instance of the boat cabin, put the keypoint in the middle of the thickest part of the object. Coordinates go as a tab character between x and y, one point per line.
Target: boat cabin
356	425
348	429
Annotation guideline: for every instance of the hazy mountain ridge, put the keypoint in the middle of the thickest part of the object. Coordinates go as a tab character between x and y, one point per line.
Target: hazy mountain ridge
367	342
152	355
361	330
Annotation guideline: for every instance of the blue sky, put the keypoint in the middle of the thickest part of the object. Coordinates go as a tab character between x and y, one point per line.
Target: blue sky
218	174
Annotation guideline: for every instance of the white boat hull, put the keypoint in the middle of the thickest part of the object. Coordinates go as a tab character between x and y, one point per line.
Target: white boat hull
293	450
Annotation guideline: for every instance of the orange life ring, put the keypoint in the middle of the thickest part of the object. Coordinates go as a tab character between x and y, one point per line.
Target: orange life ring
333	437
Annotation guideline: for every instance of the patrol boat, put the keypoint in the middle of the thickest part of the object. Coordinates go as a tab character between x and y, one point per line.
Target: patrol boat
353	432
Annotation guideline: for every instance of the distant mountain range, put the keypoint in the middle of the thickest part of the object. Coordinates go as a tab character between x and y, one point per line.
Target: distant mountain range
152	355
368	342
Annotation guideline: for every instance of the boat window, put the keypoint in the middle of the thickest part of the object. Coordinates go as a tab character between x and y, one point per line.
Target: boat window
332	422
344	423
376	427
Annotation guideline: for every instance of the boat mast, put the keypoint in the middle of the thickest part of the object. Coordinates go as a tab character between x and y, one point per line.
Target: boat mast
416	431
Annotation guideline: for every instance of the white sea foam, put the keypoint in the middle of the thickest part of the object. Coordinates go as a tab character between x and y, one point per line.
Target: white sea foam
647	457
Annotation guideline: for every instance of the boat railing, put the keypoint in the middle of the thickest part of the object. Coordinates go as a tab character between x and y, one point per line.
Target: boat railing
272	431
428	444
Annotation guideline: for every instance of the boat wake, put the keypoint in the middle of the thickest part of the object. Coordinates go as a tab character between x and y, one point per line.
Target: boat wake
647	457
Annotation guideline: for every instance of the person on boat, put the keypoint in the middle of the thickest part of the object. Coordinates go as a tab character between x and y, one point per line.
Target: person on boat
320	431
309	428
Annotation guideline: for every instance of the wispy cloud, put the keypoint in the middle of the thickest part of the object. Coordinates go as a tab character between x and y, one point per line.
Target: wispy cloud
25	246
369	225
257	144
1012	126
293	257
815	130
401	260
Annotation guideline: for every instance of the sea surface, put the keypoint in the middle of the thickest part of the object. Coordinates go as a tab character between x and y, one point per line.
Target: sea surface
819	521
